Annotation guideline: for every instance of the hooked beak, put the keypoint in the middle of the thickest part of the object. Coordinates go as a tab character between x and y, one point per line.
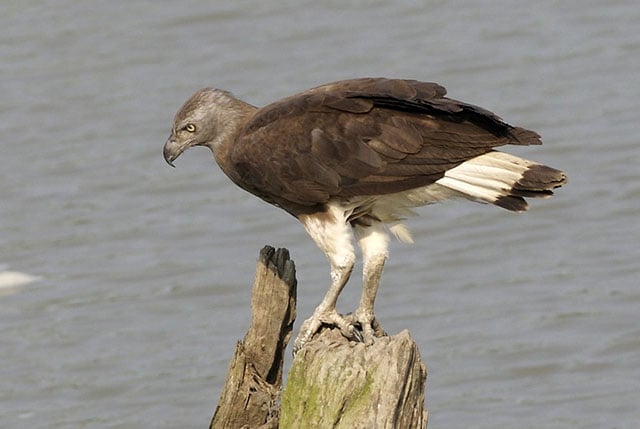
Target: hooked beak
172	150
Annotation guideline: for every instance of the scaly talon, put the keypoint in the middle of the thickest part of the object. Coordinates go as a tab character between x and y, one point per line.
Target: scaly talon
313	324
369	327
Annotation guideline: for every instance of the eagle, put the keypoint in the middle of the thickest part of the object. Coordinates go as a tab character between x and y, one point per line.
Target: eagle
353	159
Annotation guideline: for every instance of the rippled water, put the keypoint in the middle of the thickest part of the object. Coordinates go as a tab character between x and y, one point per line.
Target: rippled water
141	274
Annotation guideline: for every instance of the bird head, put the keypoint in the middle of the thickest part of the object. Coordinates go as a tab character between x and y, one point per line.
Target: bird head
207	118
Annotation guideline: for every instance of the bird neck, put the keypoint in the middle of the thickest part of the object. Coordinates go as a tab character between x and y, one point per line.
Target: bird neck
234	121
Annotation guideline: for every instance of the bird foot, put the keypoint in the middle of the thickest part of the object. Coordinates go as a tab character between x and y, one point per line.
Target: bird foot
367	325
357	327
313	324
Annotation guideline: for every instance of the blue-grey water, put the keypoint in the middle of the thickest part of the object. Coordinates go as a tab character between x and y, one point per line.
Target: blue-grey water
125	284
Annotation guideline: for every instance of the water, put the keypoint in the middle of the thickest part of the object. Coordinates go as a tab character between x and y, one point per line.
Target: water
141	273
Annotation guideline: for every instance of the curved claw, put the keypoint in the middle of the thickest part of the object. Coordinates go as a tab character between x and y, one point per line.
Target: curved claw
368	328
357	334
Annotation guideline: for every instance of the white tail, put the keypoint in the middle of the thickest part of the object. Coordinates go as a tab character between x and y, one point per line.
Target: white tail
502	179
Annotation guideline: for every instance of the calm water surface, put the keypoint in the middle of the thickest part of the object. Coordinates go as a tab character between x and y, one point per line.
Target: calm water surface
141	273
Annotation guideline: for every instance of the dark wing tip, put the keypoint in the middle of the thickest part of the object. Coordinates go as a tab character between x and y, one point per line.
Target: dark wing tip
525	137
541	178
512	203
538	181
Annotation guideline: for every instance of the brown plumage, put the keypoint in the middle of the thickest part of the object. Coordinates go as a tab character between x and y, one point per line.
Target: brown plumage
360	154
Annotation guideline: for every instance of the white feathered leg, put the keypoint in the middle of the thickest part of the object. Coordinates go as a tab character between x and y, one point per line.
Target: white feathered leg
374	242
333	235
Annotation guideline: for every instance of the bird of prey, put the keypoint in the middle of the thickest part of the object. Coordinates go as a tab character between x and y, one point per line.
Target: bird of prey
353	158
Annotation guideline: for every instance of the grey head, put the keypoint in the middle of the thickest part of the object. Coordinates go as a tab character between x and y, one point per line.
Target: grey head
210	117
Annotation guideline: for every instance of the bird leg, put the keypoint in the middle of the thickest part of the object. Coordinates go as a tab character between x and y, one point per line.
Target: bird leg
373	241
332	234
326	313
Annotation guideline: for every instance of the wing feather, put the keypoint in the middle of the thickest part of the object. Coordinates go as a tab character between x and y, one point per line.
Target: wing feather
362	137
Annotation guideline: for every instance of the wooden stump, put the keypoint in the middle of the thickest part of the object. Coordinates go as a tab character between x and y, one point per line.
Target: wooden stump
337	384
333	383
252	390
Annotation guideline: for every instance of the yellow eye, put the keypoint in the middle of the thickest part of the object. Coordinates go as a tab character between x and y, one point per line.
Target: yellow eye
191	128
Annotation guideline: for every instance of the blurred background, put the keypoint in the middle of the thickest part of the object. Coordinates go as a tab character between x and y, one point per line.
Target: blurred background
125	284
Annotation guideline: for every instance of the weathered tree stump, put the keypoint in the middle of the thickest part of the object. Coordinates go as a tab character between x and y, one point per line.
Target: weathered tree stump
333	383
337	384
251	393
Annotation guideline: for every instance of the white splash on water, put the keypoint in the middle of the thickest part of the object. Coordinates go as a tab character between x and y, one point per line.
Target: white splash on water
11	281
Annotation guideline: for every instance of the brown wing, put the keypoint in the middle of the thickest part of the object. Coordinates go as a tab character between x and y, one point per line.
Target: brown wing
362	137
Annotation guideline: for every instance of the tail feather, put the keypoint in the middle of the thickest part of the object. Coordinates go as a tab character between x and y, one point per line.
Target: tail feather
504	180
